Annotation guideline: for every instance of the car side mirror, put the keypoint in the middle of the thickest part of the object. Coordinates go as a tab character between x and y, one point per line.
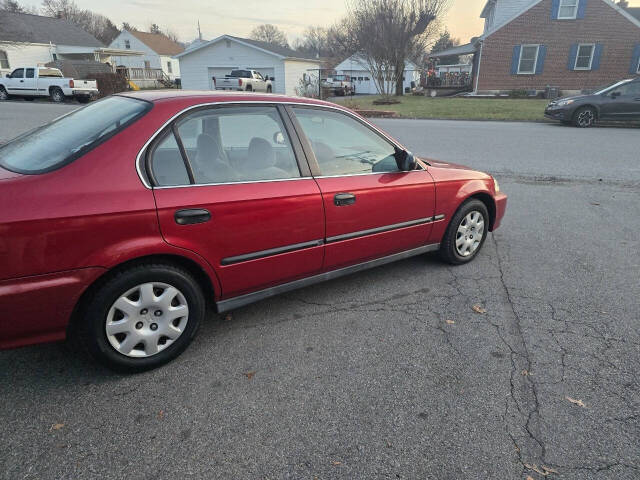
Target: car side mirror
405	160
8	75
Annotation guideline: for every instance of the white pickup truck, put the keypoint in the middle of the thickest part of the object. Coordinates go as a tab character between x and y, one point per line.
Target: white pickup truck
31	82
339	85
245	80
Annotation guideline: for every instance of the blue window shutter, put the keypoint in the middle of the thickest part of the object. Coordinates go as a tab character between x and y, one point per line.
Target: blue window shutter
595	63
542	53
582	7
555	8
634	60
515	59
573	53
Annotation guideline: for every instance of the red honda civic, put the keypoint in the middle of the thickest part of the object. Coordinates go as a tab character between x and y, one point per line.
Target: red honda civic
120	220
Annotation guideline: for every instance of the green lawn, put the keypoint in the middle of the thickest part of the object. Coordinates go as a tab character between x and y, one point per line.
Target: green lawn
412	106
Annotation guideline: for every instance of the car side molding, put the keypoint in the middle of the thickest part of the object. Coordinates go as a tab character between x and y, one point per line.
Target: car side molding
242	300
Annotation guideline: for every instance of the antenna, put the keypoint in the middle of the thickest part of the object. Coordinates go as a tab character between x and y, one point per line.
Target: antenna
199	32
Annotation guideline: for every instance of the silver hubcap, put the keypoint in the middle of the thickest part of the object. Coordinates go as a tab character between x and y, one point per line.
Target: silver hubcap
147	319
585	118
470	233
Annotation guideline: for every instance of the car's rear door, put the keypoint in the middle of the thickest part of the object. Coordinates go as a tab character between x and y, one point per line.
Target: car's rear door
230	188
372	209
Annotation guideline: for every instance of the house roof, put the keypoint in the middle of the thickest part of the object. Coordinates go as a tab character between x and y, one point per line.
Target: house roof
277	50
457	50
27	28
634	12
158	42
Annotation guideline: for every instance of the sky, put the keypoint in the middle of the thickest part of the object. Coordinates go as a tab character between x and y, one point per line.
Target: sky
218	17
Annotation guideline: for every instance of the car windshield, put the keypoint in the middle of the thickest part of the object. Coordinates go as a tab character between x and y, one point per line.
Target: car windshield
70	136
606	88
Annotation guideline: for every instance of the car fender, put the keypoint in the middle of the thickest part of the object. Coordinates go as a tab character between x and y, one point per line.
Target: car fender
452	194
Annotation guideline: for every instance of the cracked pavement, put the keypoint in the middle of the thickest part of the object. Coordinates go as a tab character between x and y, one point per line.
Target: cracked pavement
390	373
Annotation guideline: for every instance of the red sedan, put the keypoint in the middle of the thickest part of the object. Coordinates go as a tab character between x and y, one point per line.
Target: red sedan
122	218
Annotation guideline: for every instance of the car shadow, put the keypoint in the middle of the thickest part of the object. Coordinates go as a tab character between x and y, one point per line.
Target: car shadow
48	367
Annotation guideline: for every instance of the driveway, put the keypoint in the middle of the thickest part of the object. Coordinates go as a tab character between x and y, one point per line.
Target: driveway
390	373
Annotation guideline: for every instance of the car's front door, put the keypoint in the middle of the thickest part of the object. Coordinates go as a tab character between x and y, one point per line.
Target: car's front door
15	82
622	103
229	187
372	208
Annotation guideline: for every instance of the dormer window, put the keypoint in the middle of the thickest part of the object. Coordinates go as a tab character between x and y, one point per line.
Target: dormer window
568	10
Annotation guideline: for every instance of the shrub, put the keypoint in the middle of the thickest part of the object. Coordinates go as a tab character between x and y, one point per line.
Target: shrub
519	93
110	83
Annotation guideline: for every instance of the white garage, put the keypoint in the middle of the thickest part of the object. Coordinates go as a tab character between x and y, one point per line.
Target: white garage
362	78
200	66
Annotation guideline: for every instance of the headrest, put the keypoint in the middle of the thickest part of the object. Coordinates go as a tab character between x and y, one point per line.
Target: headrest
260	154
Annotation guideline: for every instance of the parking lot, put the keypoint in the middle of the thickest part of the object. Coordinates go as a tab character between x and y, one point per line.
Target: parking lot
523	363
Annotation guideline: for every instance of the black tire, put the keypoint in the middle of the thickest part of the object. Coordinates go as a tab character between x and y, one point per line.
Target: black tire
4	95
84	99
56	95
269	89
448	250
91	328
585	117
249	88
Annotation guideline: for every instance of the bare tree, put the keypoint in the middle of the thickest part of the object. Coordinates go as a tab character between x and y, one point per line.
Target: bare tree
270	34
387	33
16	7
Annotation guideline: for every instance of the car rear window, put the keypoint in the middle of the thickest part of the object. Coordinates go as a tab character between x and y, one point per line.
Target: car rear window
60	142
240	74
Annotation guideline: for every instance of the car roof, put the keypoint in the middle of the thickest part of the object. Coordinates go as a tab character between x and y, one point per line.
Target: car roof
214	96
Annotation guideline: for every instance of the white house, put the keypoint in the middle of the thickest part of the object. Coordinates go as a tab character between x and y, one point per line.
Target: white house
359	71
27	39
158	51
214	59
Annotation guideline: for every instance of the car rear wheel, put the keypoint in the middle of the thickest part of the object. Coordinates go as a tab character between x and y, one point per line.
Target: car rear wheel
249	88
585	117
3	94
466	233
142	317
57	95
269	90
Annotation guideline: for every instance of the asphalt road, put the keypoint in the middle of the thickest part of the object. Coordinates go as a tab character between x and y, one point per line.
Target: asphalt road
389	373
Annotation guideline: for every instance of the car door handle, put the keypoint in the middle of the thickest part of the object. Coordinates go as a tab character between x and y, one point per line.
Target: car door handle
344	199
21	81
191	216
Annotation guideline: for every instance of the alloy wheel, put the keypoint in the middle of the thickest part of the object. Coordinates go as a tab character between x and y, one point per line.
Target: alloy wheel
586	118
3	94
470	233
146	319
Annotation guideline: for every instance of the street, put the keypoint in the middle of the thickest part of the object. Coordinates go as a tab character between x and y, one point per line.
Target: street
392	372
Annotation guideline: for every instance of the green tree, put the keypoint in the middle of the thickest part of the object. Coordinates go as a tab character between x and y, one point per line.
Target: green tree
443	43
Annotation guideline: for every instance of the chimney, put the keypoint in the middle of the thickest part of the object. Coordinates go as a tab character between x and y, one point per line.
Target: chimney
623	4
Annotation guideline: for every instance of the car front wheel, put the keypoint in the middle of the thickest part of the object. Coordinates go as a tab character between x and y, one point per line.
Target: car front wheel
142	317
466	233
3	94
585	117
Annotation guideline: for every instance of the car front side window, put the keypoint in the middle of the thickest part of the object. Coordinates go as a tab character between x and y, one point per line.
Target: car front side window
18	73
343	145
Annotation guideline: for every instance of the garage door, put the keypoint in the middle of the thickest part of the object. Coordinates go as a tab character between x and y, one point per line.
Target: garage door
218	72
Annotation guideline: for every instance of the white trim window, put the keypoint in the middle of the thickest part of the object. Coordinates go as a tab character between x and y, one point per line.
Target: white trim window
584	57
568	10
169	66
4	60
528	59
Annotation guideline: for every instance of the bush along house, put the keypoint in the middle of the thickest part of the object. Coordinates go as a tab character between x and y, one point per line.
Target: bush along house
572	45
